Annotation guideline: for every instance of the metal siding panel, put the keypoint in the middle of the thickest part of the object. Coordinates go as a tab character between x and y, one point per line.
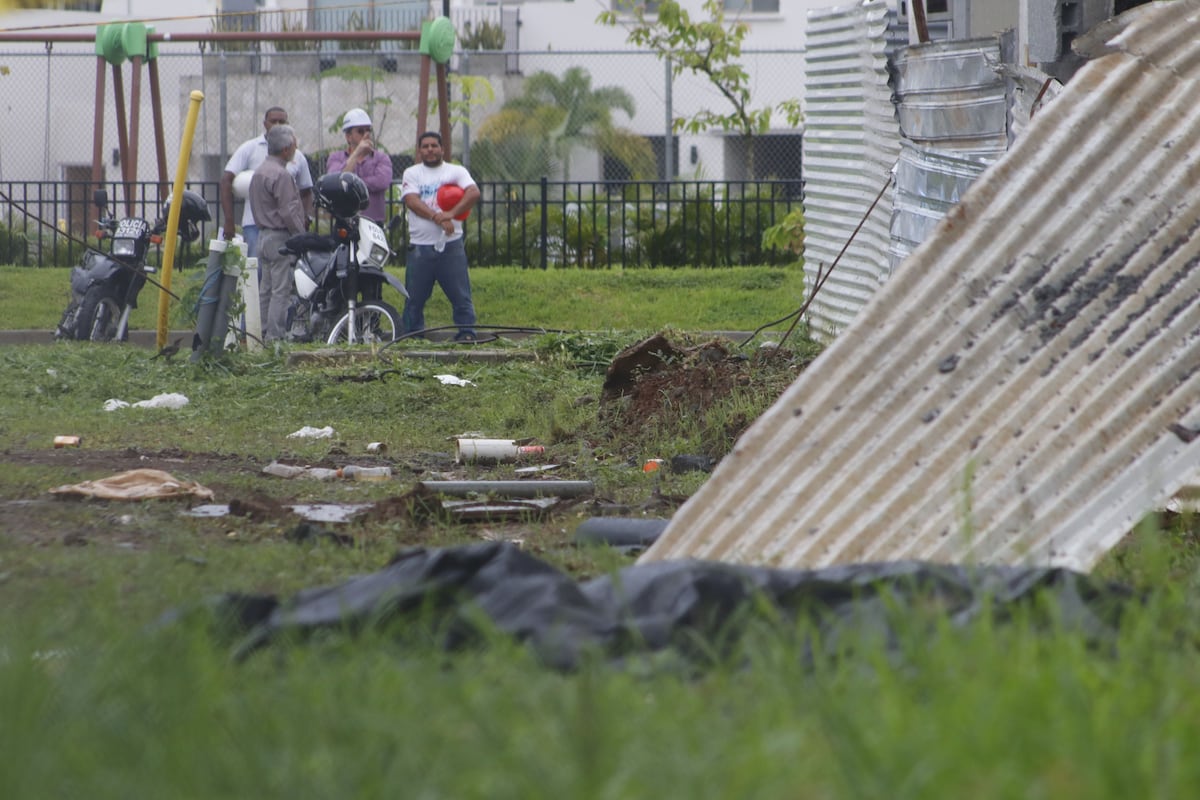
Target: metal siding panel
1009	395
850	143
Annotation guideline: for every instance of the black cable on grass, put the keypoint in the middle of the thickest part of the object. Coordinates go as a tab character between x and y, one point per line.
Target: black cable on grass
498	328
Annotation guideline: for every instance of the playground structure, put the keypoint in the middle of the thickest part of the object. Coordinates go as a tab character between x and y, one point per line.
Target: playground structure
137	43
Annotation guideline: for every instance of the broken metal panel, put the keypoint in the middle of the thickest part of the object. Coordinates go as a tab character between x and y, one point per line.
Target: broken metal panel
1029	90
850	144
1026	387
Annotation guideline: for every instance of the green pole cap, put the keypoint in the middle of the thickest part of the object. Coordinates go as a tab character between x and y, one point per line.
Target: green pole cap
437	39
134	38
109	43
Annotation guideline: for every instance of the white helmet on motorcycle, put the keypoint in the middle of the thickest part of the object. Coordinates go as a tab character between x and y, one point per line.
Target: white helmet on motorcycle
342	194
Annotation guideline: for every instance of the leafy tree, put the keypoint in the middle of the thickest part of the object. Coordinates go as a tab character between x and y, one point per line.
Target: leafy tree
710	48
534	134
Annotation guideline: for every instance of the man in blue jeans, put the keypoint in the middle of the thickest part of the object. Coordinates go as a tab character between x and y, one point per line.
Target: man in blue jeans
436	253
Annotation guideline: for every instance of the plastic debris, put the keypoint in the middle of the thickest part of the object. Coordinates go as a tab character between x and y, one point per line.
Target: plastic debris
294	471
172	400
309	432
136	484
365	473
453	380
661	606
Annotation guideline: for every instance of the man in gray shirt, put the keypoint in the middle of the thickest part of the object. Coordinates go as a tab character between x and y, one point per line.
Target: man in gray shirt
279	214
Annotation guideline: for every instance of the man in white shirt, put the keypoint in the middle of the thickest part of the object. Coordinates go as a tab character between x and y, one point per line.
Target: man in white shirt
436	253
249	156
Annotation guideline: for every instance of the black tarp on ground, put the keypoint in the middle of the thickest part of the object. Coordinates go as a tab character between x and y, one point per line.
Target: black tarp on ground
653	607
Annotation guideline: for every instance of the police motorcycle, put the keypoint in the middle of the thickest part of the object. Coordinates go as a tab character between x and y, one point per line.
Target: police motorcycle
105	286
340	277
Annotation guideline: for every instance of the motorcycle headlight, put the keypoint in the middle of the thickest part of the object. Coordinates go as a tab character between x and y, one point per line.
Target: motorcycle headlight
124	247
377	256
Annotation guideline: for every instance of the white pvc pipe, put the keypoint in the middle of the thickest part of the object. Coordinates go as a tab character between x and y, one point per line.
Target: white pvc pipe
494	450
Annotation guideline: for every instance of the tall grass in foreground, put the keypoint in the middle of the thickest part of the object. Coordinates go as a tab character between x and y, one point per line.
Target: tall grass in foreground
1018	706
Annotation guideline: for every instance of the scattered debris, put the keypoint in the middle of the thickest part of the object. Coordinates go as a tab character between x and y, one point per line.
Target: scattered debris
169	400
630	535
494	450
692	463
136	484
453	380
309	432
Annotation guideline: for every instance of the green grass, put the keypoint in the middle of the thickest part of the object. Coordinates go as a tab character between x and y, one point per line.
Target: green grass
97	702
587	300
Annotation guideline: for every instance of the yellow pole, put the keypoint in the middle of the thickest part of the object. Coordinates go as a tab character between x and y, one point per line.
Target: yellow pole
185	152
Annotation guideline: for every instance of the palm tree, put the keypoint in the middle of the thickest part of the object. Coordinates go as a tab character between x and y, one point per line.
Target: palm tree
554	115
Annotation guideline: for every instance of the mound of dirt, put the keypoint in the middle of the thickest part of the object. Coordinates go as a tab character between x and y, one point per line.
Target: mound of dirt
657	384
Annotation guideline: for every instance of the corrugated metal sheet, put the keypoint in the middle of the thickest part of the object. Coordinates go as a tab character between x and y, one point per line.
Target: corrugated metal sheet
929	183
951	97
1030	91
851	140
1026	387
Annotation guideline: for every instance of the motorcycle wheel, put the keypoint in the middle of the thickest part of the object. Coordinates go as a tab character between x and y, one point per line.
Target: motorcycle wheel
375	322
66	326
98	316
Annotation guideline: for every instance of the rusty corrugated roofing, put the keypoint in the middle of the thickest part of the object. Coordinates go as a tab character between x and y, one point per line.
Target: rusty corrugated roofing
1025	388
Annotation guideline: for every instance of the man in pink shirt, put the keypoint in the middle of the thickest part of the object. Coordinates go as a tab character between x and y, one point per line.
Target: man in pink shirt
364	160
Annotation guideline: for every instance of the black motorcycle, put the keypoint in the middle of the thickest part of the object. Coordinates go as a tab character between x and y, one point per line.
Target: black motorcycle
340	277
105	286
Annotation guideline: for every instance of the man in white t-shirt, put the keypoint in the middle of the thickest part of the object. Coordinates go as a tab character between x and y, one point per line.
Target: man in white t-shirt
436	253
249	156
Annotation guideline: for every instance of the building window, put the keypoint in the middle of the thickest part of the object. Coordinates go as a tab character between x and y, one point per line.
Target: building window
648	7
755	6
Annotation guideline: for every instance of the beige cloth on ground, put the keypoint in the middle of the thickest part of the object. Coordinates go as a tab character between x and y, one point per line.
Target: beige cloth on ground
136	484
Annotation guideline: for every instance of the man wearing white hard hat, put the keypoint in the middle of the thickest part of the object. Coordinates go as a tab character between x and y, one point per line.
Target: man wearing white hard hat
363	159
236	180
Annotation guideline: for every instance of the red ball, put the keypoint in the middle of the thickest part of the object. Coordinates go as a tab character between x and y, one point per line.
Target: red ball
448	196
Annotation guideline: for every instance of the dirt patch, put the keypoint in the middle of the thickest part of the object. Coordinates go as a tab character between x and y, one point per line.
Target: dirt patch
654	385
658	385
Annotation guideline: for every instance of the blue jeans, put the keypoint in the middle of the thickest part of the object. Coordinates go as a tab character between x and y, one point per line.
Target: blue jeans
448	269
250	235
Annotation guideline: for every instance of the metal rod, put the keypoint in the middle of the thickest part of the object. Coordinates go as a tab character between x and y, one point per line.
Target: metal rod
511	488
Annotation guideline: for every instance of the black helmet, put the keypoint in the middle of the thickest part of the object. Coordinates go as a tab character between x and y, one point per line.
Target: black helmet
342	194
192	212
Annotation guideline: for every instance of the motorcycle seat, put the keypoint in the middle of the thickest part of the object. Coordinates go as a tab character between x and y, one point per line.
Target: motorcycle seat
308	243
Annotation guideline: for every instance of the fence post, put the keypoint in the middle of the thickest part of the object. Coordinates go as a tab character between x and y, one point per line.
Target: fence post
668	143
545	220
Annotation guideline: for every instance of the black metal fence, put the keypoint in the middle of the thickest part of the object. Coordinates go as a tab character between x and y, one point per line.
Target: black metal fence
544	224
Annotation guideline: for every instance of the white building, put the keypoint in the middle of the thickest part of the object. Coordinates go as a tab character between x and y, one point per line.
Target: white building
55	114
